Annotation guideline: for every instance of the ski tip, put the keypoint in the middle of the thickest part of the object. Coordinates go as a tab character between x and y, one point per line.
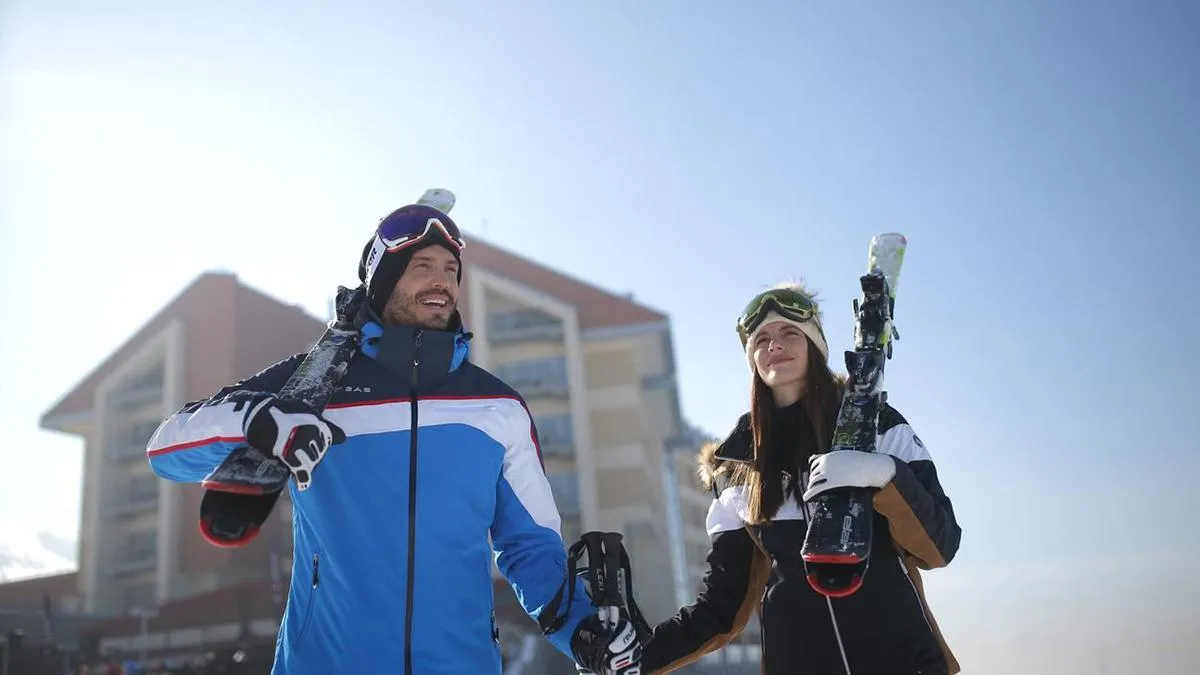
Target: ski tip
848	559
894	237
439	198
832	591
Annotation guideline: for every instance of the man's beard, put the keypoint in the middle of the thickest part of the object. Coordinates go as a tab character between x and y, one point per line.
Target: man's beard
405	313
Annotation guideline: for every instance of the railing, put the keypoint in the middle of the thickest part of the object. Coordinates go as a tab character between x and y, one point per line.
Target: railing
546	332
523	325
659	381
133	505
127	452
552	448
129	441
540	388
565	487
131	399
133	563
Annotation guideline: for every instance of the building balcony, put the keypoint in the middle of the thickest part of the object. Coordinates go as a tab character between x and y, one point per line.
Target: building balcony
565	487
563	449
571	528
659	381
126	400
133	563
132	506
544	377
127	452
128	441
546	332
523	325
533	389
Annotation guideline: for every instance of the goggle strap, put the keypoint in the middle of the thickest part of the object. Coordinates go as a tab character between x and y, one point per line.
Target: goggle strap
393	245
750	323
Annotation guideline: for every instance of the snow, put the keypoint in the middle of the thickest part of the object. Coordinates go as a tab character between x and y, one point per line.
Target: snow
25	553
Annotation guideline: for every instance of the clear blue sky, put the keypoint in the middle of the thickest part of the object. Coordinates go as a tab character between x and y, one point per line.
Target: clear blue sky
1044	163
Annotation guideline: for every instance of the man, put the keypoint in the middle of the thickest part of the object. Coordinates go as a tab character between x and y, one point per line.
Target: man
392	561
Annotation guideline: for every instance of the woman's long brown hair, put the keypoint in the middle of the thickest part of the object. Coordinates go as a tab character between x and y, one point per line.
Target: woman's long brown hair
821	398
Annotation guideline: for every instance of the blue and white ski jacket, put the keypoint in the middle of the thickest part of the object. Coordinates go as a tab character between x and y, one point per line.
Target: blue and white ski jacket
378	580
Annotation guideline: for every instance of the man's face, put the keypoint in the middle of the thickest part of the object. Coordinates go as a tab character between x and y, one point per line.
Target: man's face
427	293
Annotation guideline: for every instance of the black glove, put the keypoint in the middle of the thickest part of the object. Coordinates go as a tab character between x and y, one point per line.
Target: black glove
291	431
606	649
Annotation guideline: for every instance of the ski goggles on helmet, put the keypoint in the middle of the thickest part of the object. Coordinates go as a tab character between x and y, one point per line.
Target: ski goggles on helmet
405	227
787	303
412	224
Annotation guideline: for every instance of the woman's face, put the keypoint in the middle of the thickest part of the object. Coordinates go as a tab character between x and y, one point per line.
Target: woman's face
780	353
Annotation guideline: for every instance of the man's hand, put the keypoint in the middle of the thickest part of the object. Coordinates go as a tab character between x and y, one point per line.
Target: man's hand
291	431
605	649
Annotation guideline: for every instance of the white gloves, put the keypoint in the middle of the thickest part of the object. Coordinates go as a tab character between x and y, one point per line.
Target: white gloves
604	649
848	468
291	431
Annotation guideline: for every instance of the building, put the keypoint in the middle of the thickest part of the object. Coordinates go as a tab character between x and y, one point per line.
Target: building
139	546
597	370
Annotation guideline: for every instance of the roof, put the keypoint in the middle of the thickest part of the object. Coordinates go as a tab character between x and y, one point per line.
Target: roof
216	302
27	594
597	307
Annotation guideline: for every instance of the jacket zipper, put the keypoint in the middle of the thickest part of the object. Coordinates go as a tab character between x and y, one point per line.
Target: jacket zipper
837	632
412	508
312	594
916	593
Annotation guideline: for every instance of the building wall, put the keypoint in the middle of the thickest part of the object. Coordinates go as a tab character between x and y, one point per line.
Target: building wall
139	540
634	418
121	517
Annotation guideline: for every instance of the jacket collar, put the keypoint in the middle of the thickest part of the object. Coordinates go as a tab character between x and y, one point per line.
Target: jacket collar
437	353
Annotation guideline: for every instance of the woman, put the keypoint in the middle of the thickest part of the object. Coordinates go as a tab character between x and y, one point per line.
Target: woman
774	461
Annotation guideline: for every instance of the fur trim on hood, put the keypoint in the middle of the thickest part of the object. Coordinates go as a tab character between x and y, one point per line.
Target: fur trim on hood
707	464
714	457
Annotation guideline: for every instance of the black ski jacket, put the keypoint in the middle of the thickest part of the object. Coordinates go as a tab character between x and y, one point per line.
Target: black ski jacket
885	628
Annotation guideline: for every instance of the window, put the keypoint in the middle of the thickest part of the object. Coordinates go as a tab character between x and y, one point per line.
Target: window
555	429
519	319
143	487
571	530
140	432
150	378
565	487
142	544
139	596
523	325
556	435
134	435
535	374
137	391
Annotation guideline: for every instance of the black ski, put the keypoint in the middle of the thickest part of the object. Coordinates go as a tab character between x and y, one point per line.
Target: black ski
837	546
240	494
